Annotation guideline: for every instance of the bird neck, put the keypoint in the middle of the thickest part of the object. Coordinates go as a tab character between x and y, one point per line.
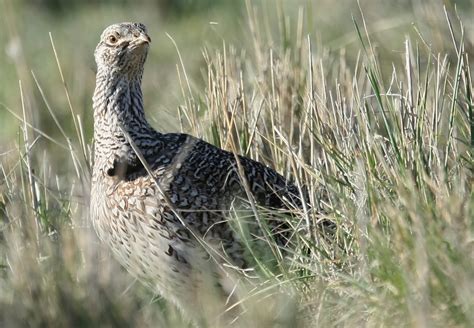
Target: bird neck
118	107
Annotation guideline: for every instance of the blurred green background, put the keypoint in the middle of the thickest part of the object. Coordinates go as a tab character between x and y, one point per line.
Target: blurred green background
75	26
196	26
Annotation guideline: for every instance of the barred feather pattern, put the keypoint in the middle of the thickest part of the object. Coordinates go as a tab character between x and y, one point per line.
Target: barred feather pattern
155	225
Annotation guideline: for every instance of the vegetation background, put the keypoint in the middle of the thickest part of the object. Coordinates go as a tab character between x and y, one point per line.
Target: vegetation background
372	100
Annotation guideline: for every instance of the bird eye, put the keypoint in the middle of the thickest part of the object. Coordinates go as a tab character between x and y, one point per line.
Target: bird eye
112	39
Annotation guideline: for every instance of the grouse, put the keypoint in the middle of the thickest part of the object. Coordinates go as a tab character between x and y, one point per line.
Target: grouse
162	202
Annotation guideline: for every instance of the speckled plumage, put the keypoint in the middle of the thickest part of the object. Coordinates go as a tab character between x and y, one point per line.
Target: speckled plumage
158	242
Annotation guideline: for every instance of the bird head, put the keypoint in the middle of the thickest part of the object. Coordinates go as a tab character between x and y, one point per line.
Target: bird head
123	48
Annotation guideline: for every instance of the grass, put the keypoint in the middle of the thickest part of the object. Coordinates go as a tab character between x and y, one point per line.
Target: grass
381	139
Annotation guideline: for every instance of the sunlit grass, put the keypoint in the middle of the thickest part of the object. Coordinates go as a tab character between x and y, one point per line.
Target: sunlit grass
380	141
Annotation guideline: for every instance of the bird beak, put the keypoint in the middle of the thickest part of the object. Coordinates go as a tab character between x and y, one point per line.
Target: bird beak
144	38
